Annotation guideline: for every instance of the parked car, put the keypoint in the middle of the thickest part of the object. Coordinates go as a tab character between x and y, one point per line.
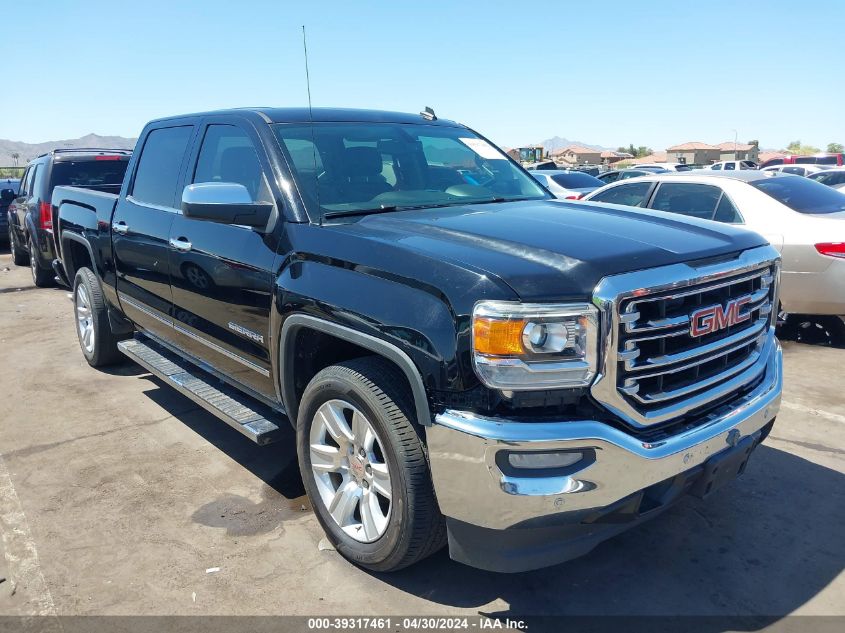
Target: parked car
624	174
666	166
458	352
8	192
733	165
567	184
833	160
801	218
796	170
30	214
830	177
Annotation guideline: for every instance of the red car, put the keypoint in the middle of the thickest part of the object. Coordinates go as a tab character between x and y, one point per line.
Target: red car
815	159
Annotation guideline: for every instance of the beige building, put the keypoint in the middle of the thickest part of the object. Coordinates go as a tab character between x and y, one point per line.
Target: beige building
578	155
738	151
694	153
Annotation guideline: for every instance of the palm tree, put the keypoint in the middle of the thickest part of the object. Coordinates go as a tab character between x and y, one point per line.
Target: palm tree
15	156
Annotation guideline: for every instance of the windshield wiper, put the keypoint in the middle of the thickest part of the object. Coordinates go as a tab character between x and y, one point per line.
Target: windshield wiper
385	208
498	199
388	208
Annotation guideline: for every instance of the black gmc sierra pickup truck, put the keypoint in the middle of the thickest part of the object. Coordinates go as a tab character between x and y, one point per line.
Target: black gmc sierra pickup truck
464	358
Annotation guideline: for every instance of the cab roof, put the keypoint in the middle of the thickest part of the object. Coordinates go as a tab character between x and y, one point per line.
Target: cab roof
322	115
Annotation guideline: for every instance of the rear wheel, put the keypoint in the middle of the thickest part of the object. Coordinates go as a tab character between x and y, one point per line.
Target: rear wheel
96	339
19	254
365	467
41	277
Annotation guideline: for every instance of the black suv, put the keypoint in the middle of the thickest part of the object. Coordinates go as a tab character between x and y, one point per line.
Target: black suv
30	215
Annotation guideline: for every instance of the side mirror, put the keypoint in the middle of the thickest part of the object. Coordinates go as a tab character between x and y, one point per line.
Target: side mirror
7	195
224	202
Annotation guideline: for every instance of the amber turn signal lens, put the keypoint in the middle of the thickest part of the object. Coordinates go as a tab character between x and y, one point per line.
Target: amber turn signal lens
498	337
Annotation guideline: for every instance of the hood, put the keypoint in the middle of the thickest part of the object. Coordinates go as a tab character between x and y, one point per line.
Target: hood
553	250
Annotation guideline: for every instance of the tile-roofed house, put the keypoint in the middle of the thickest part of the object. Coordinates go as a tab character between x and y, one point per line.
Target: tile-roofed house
657	157
742	151
578	155
694	153
610	157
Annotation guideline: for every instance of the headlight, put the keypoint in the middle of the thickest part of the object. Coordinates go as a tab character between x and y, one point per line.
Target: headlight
520	346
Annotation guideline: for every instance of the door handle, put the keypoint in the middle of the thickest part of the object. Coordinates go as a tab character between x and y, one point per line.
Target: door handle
120	227
182	245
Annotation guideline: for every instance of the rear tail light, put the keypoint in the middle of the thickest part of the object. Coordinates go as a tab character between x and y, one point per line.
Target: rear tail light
45	216
574	196
108	158
832	249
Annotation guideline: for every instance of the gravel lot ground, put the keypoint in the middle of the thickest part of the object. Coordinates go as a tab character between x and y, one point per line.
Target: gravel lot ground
120	496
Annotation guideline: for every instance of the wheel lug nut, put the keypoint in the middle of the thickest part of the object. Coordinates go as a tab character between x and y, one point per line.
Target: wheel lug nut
368	469
365	483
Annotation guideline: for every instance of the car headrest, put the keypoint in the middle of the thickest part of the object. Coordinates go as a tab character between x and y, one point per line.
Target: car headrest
363	162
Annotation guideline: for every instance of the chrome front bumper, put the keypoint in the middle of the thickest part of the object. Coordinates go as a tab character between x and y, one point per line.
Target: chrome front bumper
471	487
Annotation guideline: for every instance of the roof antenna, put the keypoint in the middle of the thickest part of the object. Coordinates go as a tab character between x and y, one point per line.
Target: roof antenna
311	120
428	114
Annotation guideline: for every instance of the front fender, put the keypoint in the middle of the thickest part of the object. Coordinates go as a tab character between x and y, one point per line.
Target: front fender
413	327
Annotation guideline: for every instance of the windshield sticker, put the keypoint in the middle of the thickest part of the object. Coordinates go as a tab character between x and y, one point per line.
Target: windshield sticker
482	148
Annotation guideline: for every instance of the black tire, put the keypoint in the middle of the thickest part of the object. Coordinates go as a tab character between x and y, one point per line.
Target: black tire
20	256
415	527
41	277
104	350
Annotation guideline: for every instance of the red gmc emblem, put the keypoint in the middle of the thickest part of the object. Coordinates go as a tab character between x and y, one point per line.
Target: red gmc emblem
715	318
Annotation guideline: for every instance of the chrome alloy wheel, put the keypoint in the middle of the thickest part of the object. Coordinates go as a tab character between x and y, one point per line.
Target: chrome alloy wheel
84	318
33	264
350	470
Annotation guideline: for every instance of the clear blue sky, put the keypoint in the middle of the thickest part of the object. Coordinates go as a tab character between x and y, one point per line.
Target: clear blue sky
610	73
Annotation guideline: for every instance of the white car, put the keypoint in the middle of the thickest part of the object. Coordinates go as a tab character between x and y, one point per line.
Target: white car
796	170
666	166
567	184
831	177
733	165
803	219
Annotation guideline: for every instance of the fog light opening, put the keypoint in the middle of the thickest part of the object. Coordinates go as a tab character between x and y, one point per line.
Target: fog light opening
538	460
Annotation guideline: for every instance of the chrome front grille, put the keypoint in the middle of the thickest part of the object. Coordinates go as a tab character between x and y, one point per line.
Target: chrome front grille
655	370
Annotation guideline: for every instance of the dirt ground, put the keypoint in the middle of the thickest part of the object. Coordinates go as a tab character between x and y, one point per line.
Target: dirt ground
120	496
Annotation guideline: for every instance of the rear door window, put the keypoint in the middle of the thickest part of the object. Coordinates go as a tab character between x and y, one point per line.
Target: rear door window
36	190
159	165
611	177
692	199
717	167
27	181
798	171
632	194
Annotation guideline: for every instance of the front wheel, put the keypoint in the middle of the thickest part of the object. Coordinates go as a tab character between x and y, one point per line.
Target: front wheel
96	339
365	467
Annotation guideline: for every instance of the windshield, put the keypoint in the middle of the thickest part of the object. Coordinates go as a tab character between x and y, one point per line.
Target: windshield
802	194
577	180
347	167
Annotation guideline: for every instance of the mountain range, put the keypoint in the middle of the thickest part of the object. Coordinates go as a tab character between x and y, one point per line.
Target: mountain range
558	142
28	151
